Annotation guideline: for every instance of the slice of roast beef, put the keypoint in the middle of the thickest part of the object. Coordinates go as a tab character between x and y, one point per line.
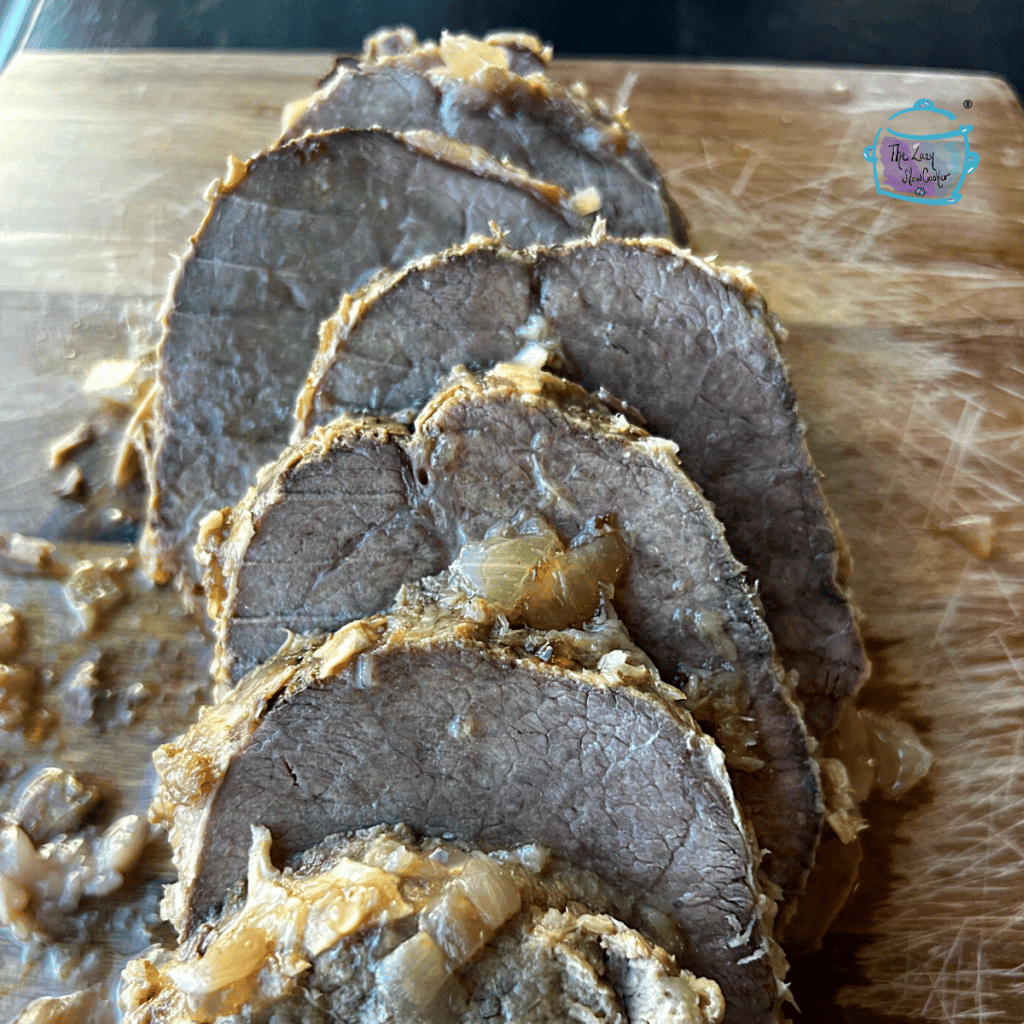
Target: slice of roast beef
329	529
552	965
689	345
380	926
726	399
422	929
465	89
285	235
474	306
337	535
431	724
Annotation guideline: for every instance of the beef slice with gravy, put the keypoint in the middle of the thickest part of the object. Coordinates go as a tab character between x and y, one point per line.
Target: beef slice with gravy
324	536
426	722
466	89
689	345
381	925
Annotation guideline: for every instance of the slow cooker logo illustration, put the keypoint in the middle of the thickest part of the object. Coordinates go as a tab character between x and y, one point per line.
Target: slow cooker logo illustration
916	162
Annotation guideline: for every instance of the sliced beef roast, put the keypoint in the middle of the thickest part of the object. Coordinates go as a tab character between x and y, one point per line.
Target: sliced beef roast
380	926
465	89
285	235
556	966
429	723
344	517
689	345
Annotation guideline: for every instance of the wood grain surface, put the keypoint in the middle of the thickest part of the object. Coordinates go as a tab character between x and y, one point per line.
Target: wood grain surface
906	329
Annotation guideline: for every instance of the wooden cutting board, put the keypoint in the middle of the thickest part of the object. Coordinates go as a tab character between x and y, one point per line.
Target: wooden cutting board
906	328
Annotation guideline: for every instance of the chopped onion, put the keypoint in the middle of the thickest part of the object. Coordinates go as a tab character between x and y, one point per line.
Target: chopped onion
586	201
455	924
464	56
122	843
535	581
901	759
412	976
16	685
329	919
19	860
493	894
401	861
878	750
54	800
498	568
13	899
849	745
566	587
221	980
10	631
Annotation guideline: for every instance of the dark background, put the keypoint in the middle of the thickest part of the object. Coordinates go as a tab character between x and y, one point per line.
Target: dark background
982	35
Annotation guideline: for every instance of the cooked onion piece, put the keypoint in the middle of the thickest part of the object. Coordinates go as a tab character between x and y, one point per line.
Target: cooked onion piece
55	877
879	751
534	580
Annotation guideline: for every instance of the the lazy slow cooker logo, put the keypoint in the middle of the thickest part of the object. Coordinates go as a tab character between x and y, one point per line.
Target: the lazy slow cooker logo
917	164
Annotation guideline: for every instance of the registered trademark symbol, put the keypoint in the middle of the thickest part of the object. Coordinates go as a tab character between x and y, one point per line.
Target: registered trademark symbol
968	104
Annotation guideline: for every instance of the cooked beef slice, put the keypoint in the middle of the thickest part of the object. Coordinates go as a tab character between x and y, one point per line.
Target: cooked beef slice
470	306
545	968
290	231
492	934
733	413
484	452
552	961
428	723
689	345
466	91
337	537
